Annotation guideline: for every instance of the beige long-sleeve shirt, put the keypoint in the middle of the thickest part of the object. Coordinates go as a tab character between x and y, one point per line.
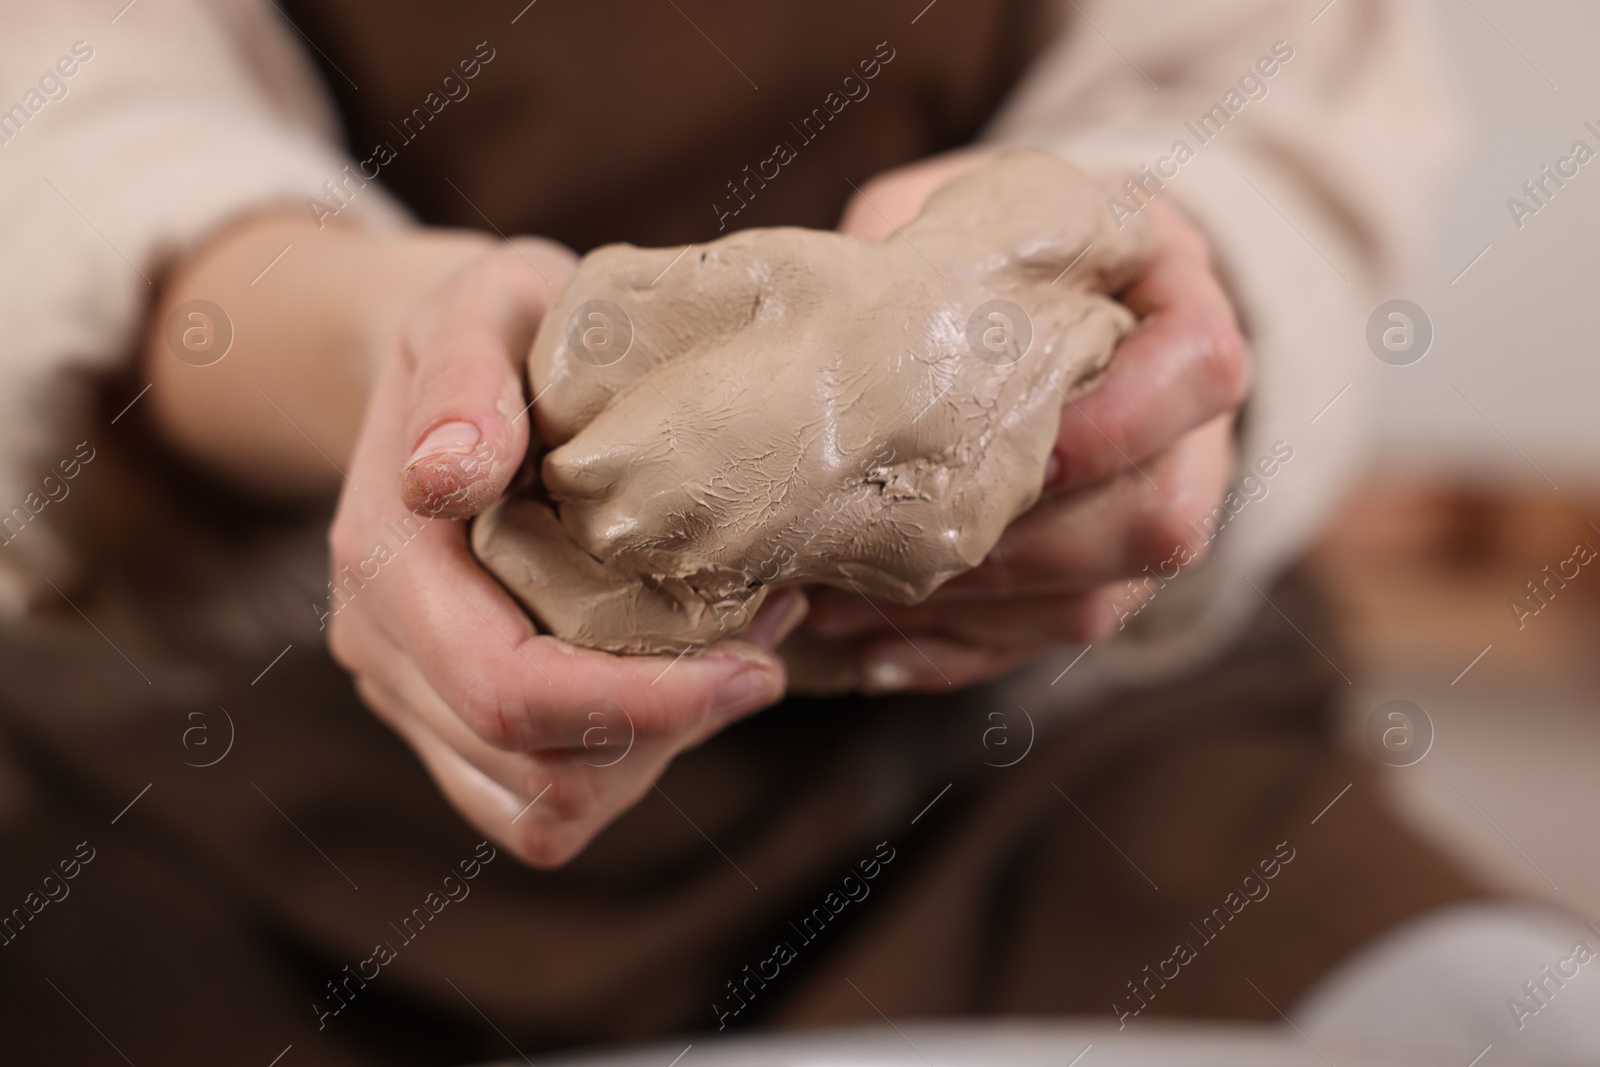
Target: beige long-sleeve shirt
1303	142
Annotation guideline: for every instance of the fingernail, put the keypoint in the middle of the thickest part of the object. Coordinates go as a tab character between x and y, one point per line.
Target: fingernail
777	618
457	437
746	691
887	672
446	476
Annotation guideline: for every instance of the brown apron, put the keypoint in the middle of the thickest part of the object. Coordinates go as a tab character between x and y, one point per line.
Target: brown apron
868	854
626	120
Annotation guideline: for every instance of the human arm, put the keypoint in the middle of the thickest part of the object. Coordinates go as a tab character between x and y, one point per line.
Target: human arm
178	164
393	363
1310	199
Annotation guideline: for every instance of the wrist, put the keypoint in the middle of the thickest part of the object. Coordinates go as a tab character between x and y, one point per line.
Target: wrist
313	314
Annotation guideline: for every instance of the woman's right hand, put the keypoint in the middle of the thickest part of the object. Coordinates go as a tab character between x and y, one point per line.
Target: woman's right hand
536	742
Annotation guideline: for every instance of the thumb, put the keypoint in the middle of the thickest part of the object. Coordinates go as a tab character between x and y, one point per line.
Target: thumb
466	420
472	444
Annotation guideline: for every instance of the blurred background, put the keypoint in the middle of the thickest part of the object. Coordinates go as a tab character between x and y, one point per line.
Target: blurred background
1488	470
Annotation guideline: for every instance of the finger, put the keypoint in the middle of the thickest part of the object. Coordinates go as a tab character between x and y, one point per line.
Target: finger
1184	365
485	802
1014	622
543	812
1130	527
1065	546
929	663
523	691
893	199
1069	545
778	617
598	771
464	423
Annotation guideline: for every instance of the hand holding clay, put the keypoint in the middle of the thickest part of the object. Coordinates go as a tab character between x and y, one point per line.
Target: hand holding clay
502	716
789	407
1139	463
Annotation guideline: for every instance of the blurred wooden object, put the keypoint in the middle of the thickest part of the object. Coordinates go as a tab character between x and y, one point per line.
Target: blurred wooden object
1421	571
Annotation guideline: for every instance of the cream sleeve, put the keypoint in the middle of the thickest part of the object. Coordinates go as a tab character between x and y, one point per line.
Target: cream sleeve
127	135
1305	142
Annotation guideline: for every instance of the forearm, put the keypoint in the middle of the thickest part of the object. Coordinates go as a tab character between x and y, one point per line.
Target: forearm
279	413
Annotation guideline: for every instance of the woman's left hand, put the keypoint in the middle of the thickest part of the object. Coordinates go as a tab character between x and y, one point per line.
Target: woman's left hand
1138	464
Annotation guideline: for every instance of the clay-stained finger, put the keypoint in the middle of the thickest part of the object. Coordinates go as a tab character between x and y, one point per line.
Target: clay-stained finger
519	690
1158	517
1070	545
1185	365
463	425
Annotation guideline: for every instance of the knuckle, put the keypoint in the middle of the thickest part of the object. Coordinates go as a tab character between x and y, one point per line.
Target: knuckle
658	716
1089	449
1085	619
1198	547
343	542
1114	431
343	647
502	266
1162	522
422	324
570	794
874	189
546	847
543	801
1165	526
567	816
413	340
542	249
433	317
490	715
552	854
511	270
562	848
369	694
1225	365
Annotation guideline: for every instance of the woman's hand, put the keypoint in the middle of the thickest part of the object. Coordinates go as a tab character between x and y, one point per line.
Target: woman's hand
388	369
538	743
1138	463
